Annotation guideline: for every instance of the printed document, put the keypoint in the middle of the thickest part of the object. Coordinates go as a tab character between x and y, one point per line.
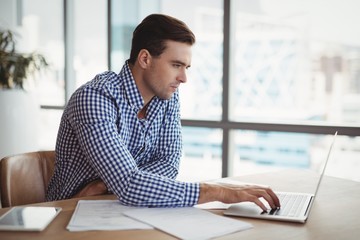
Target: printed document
102	215
188	222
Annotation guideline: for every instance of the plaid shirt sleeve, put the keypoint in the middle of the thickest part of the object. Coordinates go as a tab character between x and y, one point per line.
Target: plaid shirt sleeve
93	114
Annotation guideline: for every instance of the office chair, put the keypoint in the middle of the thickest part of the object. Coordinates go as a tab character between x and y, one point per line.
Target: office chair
25	177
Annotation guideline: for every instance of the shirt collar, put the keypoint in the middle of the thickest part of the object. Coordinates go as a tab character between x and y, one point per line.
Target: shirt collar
131	91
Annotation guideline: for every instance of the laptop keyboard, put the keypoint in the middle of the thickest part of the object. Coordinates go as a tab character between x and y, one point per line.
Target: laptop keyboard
291	205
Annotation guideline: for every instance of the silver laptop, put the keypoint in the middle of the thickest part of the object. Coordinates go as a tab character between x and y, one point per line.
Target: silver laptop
295	207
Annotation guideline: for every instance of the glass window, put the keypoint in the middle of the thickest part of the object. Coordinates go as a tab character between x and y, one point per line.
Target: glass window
258	151
201	95
90	38
49	121
46	37
202	150
296	61
88	34
125	16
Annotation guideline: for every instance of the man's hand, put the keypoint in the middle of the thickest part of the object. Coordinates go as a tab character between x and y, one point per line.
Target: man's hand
93	188
227	193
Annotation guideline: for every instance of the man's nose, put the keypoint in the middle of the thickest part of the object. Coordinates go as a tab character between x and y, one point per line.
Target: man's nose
182	77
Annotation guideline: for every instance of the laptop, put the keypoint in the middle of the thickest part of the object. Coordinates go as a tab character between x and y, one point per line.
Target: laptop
295	207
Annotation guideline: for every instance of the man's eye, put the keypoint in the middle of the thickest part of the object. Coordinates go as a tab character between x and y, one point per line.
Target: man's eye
177	65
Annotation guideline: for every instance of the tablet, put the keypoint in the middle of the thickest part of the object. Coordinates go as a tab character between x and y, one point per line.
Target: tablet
28	218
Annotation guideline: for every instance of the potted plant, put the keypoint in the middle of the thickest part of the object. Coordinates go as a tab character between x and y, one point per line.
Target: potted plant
19	109
14	66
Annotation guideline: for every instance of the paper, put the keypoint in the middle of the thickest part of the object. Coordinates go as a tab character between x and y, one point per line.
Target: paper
188	222
102	215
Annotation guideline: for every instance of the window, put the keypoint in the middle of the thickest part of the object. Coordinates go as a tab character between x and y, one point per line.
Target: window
73	61
201	96
205	19
258	151
269	78
39	34
90	39
269	82
290	65
202	151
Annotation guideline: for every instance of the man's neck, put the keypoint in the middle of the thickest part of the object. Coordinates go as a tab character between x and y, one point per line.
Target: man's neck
142	113
138	78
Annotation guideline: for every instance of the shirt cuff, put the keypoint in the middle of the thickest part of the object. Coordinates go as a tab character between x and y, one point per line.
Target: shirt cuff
192	192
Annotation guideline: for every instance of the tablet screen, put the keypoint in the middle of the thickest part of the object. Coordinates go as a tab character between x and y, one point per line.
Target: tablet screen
28	218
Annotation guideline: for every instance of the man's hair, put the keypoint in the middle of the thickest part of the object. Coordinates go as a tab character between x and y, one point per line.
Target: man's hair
154	30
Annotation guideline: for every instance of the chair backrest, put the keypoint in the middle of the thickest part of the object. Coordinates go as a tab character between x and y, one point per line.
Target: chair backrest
25	177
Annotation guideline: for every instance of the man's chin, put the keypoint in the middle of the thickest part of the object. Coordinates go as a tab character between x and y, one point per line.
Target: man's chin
166	97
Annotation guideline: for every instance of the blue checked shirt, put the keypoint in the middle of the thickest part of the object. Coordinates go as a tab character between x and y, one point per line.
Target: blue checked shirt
100	136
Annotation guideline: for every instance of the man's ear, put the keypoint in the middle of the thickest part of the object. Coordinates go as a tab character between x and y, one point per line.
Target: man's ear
144	58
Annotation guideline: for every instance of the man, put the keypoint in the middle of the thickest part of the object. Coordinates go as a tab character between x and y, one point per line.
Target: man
121	133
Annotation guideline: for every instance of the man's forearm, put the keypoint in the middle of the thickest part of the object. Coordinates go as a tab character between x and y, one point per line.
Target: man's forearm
237	193
209	192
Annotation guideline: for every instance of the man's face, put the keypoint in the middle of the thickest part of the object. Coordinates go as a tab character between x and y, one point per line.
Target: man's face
168	71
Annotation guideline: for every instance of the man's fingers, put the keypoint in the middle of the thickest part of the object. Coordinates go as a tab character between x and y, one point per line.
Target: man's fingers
260	204
270	200
274	197
265	193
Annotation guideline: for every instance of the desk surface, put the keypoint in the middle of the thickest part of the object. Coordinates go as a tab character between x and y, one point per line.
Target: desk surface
335	214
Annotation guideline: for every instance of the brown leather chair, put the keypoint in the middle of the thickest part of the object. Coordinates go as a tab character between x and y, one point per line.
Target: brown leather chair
25	177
